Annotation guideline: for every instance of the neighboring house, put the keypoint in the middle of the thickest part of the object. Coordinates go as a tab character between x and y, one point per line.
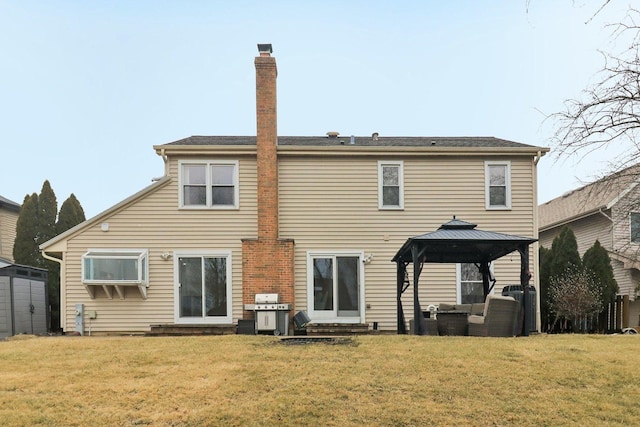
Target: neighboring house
315	219
9	212
606	210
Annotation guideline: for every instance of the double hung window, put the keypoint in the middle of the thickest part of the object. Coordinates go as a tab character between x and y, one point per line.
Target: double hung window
498	185
390	185
634	220
470	290
212	184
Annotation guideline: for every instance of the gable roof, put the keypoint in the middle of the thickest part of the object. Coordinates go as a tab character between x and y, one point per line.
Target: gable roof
588	200
9	205
352	146
46	246
394	141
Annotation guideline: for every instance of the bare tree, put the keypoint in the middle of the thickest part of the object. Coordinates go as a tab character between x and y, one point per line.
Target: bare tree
608	112
576	296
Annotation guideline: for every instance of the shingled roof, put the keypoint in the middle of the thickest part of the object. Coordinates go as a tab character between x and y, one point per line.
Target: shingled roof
369	141
8	204
587	200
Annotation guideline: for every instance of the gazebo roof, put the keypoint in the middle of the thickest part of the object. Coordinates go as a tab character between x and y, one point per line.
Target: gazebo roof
459	241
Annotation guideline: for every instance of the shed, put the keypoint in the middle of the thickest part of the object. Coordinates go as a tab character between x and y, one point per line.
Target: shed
23	300
458	241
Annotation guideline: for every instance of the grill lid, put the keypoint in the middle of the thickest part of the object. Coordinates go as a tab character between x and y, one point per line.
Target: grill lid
267	298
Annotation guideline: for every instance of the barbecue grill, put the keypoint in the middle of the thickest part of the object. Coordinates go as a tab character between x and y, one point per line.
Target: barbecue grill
269	314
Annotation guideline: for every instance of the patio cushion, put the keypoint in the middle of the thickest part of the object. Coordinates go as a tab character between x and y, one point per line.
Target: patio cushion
499	320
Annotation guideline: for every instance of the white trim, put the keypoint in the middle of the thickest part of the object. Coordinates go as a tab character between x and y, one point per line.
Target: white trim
631	242
142	255
195	253
459	281
507	165
322	317
208	184
400	165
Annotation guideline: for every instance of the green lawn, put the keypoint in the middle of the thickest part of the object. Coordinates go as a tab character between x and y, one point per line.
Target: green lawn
387	380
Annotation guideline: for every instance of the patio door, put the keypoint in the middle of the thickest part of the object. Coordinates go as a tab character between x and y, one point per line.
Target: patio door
203	288
335	287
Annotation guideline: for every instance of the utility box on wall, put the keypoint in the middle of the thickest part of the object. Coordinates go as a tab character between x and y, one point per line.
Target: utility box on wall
24	307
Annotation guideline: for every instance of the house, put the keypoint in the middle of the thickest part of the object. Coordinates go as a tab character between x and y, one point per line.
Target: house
9	212
605	210
316	220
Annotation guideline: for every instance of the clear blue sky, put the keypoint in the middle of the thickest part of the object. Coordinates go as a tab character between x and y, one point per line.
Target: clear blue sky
88	87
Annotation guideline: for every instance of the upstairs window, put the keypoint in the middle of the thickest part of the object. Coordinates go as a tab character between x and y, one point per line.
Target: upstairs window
115	266
497	185
212	184
634	219
390	185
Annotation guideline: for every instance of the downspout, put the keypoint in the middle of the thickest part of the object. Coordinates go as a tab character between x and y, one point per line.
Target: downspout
537	158
536	245
63	300
165	159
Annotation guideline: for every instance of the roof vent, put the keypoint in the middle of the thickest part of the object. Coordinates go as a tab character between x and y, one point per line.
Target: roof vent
374	136
333	134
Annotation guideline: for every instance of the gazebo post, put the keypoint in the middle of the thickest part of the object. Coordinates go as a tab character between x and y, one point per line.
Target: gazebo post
400	275
525	275
417	310
484	270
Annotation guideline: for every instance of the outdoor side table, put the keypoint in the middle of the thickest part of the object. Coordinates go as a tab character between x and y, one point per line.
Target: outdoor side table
452	322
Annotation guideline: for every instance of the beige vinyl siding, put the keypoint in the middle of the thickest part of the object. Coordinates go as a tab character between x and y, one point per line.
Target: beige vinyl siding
8	221
156	223
587	231
332	204
620	214
599	227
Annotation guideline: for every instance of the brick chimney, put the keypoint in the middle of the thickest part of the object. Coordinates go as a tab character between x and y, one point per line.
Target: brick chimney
267	261
267	141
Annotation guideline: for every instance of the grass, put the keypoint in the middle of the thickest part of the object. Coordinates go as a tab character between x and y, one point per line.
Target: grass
373	380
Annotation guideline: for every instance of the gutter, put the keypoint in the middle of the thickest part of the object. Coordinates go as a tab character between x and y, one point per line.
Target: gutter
50	258
574	218
538	156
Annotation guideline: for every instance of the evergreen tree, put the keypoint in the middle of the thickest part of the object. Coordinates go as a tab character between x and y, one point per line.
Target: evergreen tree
71	214
47	213
25	247
565	252
563	256
544	258
596	259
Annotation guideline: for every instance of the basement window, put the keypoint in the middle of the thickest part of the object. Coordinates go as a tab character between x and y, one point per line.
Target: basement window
114	270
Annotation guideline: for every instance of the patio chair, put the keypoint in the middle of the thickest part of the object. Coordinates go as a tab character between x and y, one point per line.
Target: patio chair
499	319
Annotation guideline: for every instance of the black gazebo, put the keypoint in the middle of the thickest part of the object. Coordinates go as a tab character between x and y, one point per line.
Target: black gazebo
458	242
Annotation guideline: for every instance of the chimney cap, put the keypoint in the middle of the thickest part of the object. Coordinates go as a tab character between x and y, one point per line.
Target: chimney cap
265	48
